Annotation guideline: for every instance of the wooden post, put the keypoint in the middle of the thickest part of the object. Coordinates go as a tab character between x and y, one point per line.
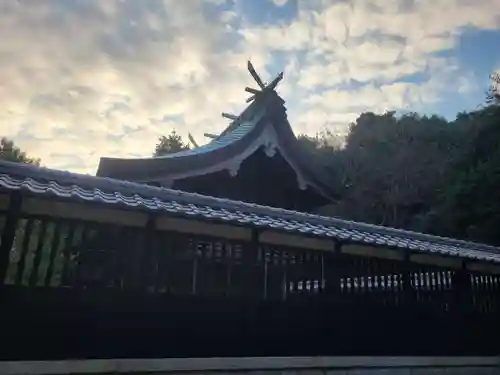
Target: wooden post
461	294
408	292
9	232
330	273
461	291
250	277
146	256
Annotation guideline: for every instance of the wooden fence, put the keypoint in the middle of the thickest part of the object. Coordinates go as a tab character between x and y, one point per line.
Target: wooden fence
80	288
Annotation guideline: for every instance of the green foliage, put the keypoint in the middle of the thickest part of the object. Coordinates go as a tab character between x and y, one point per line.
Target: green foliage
493	94
170	144
423	173
322	142
392	166
9	152
469	204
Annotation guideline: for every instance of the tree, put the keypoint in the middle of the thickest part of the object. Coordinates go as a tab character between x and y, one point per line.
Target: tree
468	205
323	142
493	94
9	152
393	165
170	144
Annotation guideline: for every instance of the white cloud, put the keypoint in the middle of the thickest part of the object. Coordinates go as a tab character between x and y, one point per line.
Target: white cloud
81	79
279	3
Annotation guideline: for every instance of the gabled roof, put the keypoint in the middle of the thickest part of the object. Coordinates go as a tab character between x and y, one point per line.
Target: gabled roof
42	181
263	124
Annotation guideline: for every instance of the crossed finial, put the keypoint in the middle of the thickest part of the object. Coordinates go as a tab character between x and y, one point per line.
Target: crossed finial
264	87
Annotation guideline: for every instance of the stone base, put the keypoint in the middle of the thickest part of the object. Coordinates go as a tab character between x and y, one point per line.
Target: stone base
262	366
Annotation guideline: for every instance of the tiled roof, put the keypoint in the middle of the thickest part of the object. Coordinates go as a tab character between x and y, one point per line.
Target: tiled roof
234	132
217	143
90	188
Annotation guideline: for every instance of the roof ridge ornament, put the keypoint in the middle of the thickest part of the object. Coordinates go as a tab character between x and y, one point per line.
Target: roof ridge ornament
191	139
211	136
264	87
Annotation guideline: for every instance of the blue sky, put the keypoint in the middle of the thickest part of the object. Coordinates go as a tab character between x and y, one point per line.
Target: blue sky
82	79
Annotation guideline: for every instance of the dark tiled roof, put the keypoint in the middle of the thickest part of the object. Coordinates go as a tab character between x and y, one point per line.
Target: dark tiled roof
97	189
218	143
233	140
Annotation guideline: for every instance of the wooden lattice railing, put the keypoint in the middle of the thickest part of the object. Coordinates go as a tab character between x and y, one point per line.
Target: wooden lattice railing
114	289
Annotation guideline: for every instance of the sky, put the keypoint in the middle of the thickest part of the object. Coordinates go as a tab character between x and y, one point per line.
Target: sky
81	79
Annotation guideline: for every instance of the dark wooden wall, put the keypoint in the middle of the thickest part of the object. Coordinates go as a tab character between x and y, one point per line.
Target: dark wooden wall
260	179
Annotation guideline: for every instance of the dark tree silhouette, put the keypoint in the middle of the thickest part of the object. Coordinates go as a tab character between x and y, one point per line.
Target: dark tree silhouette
493	94
10	152
170	144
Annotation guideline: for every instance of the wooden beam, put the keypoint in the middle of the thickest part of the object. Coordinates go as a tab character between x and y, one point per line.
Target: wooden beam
484	267
203	228
253	91
274	82
293	240
372	251
254	75
191	139
71	210
82	211
437	260
229	116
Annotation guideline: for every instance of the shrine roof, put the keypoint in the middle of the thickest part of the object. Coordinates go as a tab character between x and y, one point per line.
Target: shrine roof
66	185
239	129
263	124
